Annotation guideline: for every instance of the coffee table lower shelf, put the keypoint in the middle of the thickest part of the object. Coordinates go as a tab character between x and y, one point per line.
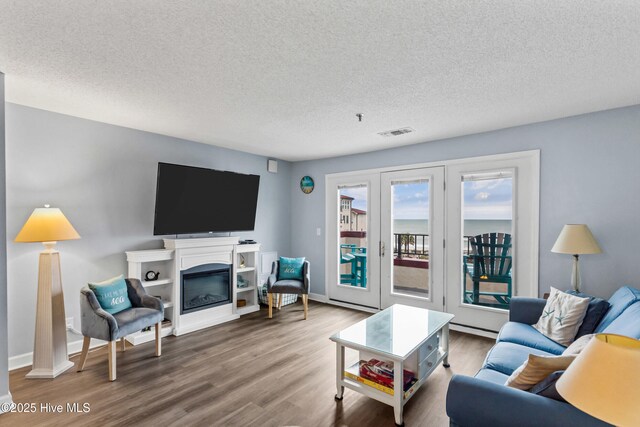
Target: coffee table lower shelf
387	398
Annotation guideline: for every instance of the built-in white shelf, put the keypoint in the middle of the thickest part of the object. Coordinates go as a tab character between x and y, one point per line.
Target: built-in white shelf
152	283
158	260
250	288
245	269
248	309
142	337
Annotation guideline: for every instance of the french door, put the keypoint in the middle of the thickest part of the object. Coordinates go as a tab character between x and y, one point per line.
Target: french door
402	236
492	238
353	239
412	236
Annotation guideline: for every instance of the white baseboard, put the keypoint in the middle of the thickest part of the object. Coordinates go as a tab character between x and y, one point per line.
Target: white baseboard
352	306
26	359
318	297
4	399
473	331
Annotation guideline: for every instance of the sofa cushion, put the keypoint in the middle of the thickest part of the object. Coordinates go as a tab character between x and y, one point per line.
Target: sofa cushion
492	376
627	324
506	357
135	319
519	333
595	312
619	302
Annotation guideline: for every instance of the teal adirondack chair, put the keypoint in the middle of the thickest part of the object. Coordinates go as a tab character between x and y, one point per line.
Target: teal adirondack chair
357	257
489	262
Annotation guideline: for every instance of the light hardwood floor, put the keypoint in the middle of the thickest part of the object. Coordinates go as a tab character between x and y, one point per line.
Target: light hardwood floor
253	371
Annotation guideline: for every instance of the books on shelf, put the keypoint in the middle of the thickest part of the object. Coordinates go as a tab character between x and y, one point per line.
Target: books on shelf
379	375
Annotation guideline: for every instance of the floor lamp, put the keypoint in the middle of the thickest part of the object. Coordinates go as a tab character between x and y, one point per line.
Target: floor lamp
50	358
576	240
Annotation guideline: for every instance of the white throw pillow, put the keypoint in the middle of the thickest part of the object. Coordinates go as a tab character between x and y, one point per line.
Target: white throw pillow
578	345
536	368
562	316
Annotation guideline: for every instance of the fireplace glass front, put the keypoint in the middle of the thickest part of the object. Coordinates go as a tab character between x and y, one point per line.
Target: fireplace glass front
205	286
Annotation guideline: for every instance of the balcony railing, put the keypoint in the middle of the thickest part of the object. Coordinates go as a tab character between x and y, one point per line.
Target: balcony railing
417	245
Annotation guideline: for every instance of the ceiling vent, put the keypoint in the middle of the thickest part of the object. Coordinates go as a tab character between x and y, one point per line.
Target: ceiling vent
396	132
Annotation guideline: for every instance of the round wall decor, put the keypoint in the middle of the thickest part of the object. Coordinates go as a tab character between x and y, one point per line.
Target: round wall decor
306	184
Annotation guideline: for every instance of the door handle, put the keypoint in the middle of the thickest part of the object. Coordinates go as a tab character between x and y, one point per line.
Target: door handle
381	247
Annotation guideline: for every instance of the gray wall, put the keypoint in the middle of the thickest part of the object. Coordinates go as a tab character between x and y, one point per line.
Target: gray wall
590	173
4	371
103	177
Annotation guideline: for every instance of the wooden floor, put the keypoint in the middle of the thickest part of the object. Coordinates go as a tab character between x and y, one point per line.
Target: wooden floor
253	371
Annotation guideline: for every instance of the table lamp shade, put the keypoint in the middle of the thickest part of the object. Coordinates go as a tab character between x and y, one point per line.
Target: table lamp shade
576	239
604	380
47	225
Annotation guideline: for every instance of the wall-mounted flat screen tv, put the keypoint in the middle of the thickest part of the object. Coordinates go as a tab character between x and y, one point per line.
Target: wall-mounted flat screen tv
193	200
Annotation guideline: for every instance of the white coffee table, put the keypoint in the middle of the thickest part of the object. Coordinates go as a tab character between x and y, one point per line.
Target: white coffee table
412	338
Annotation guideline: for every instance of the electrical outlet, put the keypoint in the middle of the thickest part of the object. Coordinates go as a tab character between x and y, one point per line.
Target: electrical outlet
69	322
318	231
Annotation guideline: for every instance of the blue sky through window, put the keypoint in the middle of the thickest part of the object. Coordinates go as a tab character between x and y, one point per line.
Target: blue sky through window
488	198
483	199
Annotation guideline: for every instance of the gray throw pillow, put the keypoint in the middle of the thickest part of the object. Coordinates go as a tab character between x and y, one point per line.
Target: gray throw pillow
547	387
598	307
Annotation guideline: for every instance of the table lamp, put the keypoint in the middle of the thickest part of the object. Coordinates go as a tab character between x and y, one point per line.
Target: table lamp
604	380
50	357
576	240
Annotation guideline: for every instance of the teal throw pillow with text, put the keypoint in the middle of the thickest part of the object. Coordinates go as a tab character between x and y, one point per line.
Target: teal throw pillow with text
112	294
290	268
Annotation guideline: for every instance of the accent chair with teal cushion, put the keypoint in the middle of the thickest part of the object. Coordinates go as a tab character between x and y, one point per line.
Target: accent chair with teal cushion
143	311
288	276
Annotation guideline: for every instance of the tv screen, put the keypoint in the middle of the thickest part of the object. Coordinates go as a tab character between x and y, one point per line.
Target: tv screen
198	200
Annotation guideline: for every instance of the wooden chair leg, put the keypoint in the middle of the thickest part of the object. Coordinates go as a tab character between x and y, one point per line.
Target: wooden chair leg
84	354
123	344
270	303
279	301
158	339
111	348
305	302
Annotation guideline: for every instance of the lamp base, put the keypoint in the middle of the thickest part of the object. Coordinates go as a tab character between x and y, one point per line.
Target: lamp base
50	356
575	274
50	373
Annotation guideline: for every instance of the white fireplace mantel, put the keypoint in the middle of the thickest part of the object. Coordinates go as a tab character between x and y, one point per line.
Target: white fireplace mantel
182	254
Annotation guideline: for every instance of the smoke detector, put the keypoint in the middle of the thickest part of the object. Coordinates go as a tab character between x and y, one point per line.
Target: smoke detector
396	132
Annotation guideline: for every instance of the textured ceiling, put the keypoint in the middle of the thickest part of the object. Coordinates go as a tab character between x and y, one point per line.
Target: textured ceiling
286	78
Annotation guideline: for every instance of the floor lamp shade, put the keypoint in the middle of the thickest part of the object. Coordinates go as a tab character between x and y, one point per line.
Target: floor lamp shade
604	380
50	357
47	225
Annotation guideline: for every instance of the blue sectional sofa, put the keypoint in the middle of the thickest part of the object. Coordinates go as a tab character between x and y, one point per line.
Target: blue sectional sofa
484	400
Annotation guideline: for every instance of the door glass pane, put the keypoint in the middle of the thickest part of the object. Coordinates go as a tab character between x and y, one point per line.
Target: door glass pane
353	235
410	225
487	229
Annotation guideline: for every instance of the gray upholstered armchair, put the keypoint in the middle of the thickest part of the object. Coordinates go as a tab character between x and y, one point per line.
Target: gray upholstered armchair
146	311
288	286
